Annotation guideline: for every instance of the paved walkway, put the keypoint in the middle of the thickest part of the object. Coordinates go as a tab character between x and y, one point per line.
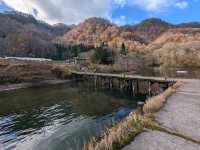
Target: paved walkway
182	113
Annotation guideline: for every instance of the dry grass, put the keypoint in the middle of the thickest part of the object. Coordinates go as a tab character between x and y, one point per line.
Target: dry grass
119	135
100	68
27	71
60	71
177	84
125	131
115	68
154	104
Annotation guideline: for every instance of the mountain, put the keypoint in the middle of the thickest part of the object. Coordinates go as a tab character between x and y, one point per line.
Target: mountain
150	29
189	25
23	35
95	31
26	19
165	43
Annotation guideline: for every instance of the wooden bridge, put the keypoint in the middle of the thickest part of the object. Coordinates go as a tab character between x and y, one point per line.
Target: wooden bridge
135	83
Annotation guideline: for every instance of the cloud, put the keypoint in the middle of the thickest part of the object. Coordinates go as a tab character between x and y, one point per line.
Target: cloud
182	5
120	3
75	11
120	20
66	11
153	5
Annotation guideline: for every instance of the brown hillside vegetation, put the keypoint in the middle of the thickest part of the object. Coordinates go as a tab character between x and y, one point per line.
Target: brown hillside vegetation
177	48
28	71
96	30
150	29
163	43
22	35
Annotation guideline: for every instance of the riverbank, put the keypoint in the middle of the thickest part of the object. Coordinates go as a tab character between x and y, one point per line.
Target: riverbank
10	87
181	114
136	123
170	122
19	71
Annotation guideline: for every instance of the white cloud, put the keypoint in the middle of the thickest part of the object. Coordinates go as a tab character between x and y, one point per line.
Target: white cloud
120	3
66	11
182	5
75	11
120	20
154	5
136	22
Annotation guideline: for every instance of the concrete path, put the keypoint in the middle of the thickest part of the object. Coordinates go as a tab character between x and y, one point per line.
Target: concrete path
154	140
182	113
182	110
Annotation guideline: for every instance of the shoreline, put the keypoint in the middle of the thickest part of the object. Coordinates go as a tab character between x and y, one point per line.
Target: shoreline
122	134
24	85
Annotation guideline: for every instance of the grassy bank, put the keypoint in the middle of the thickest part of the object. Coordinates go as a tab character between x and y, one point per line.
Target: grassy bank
13	71
125	131
155	103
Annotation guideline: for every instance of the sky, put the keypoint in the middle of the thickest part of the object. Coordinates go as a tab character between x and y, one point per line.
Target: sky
120	12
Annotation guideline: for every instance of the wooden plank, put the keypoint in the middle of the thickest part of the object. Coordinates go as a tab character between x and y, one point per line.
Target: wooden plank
138	77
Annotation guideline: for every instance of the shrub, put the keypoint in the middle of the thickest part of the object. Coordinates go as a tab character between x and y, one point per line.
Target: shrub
116	68
60	72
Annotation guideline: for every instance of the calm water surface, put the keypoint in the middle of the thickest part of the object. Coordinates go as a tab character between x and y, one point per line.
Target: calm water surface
186	72
61	117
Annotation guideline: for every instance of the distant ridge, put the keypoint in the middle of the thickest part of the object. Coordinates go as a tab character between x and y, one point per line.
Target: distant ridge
23	35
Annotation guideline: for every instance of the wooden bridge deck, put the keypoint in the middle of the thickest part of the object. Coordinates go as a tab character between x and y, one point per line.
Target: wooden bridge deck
124	76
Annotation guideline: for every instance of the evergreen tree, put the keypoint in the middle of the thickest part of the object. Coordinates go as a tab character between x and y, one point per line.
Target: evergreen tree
102	55
123	50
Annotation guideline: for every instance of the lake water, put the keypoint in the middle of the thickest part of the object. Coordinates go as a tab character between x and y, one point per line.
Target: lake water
61	117
186	72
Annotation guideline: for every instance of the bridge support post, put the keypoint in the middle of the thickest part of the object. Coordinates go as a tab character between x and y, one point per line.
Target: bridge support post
133	87
121	84
137	90
95	82
111	83
149	88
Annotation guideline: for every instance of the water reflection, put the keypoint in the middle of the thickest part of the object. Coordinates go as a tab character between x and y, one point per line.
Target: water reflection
187	72
59	117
